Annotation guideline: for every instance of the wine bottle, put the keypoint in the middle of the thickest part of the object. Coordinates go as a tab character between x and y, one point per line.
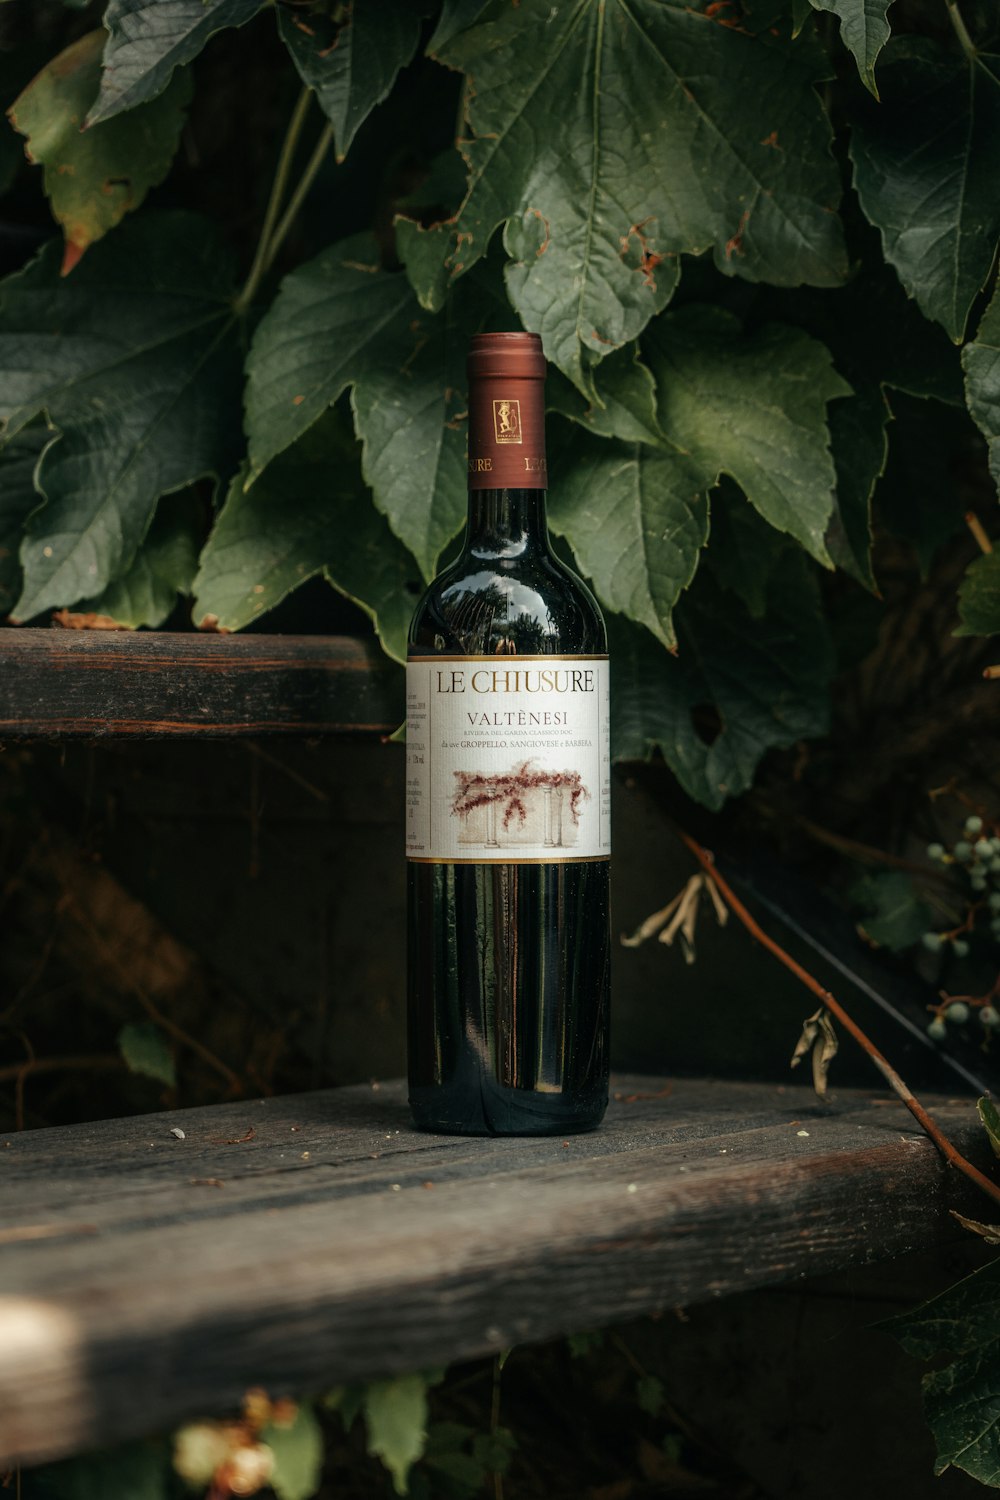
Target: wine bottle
508	797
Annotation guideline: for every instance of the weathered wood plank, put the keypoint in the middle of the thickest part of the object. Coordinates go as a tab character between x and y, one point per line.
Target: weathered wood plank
150	684
145	1279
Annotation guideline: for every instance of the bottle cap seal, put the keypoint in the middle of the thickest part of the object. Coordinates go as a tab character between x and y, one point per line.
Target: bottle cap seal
507	412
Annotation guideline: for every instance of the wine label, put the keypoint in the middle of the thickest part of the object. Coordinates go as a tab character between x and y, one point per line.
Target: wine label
508	759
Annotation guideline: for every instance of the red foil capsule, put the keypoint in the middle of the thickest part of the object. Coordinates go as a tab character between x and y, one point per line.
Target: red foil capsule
507	412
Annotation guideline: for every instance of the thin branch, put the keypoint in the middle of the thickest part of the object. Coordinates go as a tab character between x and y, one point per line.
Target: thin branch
944	1145
978	530
14	1071
867	853
955	17
278	186
299	196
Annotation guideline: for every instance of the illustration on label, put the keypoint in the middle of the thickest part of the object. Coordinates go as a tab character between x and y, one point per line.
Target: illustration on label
508	759
507	421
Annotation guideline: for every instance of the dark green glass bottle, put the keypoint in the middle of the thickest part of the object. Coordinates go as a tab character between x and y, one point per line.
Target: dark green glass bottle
508	818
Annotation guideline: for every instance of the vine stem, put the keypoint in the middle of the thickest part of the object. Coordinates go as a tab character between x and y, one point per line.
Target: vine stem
961	31
281	175
950	1152
298	197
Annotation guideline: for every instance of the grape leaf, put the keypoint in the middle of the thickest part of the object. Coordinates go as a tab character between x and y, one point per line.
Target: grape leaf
148	39
396	1420
894	916
981	362
135	359
737	687
338	321
625	405
990	1117
745	550
962	1400
94	177
636	518
163	567
146	1051
456	16
979	597
308	513
864	30
669	137
18	498
860	447
925	173
298	1455
352	63
752	406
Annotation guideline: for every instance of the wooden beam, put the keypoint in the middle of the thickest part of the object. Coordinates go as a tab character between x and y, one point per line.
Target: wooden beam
149	684
295	1243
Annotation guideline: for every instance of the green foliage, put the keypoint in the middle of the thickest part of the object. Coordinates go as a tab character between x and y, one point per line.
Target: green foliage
298	1455
962	1399
990	1116
864	27
751	376
134	359
893	915
352	63
396	1421
94	177
979	597
595	223
146	1051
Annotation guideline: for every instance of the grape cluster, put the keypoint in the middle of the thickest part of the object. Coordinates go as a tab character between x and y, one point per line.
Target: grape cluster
976	856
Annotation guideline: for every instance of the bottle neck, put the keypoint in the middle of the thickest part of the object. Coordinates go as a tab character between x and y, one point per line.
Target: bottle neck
506	523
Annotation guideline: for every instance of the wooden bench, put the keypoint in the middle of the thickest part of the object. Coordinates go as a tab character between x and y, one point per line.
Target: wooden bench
96	683
298	1242
148	1277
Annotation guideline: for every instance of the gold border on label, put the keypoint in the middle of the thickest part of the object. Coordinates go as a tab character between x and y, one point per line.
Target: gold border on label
513	434
569	859
502	656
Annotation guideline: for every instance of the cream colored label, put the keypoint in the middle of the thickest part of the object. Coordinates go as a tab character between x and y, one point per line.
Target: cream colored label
508	758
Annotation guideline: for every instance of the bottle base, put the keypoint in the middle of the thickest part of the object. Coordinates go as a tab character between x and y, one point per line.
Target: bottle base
448	1111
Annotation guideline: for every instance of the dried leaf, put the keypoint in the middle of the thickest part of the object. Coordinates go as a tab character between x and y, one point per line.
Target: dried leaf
819	1038
989	1232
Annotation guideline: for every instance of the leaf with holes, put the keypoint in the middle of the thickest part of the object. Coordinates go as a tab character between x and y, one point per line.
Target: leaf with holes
925	173
340	321
737	687
135	358
612	138
979	597
308	513
981	362
351	62
94	177
962	1399
864	30
636	518
751	405
18	498
163	568
148	39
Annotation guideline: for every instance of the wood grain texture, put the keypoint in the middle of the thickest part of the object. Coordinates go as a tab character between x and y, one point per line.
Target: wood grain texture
151	684
298	1242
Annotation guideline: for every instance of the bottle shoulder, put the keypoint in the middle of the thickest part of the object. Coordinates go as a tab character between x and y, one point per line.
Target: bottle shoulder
532	604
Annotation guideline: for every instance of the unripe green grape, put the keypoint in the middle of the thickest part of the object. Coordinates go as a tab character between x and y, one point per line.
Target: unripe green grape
973	824
931	941
958	1012
978	882
994	865
984	848
961	948
989	1016
937	1030
962	851
935	851
996	844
